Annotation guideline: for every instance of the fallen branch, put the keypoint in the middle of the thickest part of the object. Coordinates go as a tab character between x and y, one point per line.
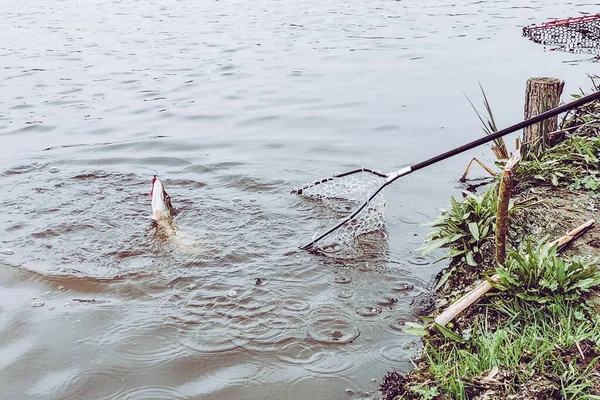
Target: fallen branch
463	178
461	304
465	301
574	234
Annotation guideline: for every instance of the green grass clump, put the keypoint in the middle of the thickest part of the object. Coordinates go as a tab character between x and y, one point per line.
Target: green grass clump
530	341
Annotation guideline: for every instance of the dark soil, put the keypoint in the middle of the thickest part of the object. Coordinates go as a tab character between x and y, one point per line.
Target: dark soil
559	210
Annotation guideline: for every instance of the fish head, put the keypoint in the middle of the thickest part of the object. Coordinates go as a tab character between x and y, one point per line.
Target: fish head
161	201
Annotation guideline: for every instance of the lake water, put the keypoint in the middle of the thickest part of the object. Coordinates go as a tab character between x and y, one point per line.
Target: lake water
233	104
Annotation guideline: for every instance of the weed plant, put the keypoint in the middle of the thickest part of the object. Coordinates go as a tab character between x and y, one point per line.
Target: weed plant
537	274
585	119
465	227
489	127
573	164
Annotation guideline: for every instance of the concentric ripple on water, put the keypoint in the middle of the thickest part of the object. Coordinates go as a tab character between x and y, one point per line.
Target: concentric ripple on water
332	330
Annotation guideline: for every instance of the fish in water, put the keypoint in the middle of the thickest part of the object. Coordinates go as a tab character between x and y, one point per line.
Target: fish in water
162	208
163	213
161	201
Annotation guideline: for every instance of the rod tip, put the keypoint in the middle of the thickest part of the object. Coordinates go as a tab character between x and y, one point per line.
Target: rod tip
307	246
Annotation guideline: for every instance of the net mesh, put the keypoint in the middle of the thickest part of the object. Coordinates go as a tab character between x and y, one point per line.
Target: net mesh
340	196
577	35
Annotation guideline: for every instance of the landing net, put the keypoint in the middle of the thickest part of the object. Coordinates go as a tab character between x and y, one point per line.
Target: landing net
576	35
340	196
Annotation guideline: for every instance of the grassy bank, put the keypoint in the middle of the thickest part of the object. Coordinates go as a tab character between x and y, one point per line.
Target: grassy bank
536	335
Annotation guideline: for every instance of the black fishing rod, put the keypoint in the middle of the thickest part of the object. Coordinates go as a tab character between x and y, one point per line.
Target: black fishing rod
392	176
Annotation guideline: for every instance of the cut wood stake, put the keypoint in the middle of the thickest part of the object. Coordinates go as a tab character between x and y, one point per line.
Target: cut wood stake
502	213
451	312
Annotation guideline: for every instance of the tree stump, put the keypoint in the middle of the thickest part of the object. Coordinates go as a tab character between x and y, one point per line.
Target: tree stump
541	94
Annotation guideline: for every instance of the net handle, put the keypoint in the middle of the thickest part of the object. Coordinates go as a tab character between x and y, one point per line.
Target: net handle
461	149
389	179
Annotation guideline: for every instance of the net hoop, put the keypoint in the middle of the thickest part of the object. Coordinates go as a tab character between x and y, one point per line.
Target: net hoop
574	34
565	21
343	193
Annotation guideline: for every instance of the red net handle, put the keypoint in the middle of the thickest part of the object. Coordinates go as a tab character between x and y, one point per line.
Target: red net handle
565	21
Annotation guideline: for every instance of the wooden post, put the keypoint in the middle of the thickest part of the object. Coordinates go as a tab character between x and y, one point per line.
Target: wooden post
541	94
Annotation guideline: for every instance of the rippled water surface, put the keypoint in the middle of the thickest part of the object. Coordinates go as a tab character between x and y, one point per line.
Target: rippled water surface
233	104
